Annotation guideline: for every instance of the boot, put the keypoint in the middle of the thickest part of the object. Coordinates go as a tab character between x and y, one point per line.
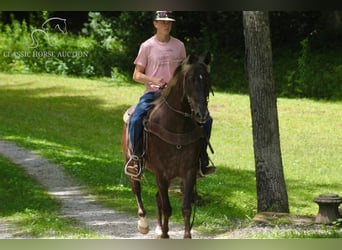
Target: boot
204	169
133	167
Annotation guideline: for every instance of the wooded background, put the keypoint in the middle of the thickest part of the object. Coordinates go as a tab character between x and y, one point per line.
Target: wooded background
306	46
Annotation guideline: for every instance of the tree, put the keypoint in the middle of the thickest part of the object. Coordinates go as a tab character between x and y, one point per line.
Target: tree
271	188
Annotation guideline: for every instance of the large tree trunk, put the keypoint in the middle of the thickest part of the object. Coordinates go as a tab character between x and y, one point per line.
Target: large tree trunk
271	188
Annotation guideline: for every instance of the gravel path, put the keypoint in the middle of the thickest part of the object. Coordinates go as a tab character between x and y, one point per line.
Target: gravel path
76	204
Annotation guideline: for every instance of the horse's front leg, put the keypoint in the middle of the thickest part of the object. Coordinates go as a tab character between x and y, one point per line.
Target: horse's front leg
189	184
143	226
158	230
164	208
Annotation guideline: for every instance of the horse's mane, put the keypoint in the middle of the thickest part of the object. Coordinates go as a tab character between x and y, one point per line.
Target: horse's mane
177	75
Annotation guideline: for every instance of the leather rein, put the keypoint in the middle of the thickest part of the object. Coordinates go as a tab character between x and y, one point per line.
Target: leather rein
178	139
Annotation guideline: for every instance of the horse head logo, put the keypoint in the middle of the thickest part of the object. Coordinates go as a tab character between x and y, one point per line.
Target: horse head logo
54	23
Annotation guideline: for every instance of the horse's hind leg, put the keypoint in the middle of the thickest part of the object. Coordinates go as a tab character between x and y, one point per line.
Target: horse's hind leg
164	207
142	223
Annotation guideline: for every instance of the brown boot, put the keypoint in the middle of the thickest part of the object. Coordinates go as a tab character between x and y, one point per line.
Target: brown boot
133	167
204	169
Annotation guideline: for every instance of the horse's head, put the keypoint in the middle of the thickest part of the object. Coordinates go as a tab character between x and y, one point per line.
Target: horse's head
55	24
196	85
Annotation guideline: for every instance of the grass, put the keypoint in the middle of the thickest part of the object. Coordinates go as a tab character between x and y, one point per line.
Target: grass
27	205
77	123
297	233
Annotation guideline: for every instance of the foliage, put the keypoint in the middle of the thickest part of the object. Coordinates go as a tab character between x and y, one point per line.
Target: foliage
108	52
61	53
132	28
316	75
306	57
337	223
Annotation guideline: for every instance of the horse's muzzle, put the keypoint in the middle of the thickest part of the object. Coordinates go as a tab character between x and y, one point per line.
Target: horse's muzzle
201	117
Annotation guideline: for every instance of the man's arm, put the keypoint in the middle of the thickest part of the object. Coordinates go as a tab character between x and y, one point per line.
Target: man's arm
140	76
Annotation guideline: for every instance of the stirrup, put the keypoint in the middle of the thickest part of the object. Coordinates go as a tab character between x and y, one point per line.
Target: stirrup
133	159
200	172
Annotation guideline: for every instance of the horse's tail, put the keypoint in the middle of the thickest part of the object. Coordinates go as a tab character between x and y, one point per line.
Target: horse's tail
35	42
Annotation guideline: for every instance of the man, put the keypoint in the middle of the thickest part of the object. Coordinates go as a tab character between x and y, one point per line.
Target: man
157	59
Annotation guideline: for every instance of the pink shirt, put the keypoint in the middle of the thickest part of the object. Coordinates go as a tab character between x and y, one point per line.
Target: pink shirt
160	59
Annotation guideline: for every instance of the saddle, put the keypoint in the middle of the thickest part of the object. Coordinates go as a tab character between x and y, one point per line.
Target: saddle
128	113
165	135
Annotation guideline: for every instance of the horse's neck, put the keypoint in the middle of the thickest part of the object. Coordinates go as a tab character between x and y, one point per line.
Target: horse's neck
176	99
174	120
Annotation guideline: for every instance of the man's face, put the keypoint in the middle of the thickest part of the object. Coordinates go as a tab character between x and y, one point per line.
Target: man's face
163	27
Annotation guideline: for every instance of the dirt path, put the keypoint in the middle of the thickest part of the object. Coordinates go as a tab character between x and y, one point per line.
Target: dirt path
76	203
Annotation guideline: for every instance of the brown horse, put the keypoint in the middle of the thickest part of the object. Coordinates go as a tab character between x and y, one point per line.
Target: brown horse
172	139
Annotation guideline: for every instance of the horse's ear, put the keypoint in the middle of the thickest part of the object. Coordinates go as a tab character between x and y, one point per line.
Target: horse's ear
191	59
208	58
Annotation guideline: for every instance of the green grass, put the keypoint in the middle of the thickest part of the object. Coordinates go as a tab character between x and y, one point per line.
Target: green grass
77	123
297	233
27	205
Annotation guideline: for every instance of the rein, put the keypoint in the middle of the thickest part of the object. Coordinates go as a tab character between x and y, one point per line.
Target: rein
185	114
178	139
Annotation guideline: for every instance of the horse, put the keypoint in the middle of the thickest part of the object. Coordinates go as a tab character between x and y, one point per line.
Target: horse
172	138
56	23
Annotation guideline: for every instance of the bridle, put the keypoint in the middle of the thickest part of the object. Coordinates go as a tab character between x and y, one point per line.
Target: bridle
185	114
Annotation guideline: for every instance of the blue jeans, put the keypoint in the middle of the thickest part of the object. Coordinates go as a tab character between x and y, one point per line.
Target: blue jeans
135	126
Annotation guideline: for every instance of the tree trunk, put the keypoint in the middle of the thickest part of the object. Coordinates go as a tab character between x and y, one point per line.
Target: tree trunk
270	182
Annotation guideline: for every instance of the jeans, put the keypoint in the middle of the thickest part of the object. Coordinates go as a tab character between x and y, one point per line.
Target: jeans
135	124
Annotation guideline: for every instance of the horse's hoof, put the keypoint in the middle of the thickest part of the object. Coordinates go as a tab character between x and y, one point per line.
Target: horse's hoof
143	230
187	236
163	236
158	232
143	226
166	236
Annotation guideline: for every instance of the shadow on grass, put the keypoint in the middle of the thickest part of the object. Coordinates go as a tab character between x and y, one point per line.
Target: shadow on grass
20	194
224	196
76	131
230	192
